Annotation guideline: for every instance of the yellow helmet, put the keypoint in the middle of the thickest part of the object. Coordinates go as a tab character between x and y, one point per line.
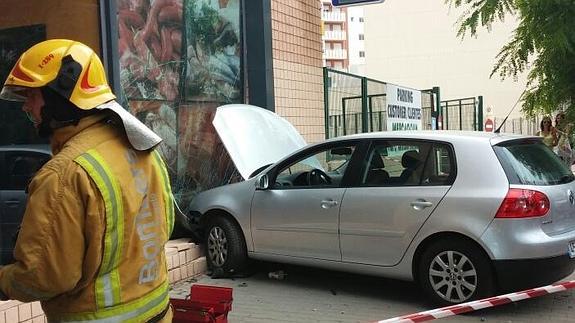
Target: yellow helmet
70	68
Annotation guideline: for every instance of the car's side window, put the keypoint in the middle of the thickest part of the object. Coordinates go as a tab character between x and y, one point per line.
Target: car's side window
440	167
395	163
21	167
324	168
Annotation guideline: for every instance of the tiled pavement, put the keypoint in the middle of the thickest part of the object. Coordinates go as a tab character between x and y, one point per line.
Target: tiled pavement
310	295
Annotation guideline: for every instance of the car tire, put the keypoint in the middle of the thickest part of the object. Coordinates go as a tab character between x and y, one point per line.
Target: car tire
453	272
226	251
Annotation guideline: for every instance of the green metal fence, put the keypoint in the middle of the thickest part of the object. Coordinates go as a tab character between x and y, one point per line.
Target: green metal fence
463	114
356	104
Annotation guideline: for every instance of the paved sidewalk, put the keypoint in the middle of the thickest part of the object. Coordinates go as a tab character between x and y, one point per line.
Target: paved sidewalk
311	295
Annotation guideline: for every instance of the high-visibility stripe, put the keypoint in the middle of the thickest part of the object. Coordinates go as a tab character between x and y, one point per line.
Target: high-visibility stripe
168	197
139	310
108	281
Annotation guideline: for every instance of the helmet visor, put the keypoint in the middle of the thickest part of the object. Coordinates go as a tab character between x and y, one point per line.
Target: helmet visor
13	93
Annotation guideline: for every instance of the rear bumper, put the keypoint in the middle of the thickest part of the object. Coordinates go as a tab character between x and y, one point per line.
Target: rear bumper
514	275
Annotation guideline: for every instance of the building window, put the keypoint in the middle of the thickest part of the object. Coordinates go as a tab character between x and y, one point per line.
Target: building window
360	19
361	53
361	37
351	19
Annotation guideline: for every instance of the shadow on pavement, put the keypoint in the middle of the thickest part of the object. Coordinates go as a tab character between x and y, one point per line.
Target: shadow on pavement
334	282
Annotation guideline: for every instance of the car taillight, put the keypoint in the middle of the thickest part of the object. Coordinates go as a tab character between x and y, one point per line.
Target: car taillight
521	203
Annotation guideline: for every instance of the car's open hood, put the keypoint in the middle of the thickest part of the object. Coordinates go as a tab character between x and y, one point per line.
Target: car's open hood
255	137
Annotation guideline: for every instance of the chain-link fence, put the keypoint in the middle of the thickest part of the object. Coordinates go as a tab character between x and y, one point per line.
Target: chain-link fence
356	104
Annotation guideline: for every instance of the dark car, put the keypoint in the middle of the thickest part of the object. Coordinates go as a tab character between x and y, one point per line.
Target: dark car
18	164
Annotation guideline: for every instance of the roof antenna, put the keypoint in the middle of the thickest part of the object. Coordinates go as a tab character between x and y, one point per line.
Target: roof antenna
498	130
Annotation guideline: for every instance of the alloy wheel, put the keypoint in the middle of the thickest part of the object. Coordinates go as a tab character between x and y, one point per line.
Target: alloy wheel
453	276
217	246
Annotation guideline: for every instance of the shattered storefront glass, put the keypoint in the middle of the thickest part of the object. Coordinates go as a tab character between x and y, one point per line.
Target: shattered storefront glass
179	61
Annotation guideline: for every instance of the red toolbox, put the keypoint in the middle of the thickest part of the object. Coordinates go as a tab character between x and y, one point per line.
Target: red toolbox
209	304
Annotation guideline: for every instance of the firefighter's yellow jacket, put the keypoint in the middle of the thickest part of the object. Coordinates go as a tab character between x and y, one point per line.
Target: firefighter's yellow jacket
91	245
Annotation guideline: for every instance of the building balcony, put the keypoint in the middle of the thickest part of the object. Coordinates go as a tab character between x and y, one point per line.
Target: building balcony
335	54
334	35
333	16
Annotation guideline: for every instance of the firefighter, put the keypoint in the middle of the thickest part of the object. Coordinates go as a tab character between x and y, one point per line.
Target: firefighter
91	243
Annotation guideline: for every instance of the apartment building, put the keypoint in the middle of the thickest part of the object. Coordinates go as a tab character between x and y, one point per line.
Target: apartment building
343	37
335	41
356	40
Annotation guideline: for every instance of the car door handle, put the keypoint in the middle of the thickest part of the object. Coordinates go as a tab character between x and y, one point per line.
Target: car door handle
420	204
326	204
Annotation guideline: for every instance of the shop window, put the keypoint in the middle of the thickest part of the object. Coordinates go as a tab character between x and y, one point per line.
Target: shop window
177	65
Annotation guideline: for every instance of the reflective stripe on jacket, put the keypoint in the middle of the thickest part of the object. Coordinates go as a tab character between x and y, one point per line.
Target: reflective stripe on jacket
92	241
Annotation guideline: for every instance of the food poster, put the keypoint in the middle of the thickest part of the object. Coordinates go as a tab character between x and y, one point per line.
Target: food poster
214	50
15	128
150	48
203	161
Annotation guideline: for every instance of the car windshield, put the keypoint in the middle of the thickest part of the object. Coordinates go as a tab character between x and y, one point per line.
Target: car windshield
529	162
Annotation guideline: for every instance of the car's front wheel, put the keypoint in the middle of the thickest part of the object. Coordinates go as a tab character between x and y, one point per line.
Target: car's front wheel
225	246
453	272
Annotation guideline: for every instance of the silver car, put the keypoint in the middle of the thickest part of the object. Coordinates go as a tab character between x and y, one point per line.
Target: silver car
465	214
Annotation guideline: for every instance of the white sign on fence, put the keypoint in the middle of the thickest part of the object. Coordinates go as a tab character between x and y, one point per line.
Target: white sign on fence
403	108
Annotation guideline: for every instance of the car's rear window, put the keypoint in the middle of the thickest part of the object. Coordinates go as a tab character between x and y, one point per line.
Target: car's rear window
530	162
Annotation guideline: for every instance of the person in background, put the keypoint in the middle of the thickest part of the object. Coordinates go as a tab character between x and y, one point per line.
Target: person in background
548	132
91	243
563	130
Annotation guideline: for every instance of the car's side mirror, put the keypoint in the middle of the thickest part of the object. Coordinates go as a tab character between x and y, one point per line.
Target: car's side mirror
263	183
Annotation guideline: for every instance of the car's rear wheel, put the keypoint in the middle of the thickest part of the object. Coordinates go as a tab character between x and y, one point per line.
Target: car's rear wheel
225	246
453	272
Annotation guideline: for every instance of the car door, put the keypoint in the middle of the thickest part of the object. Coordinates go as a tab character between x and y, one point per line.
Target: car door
18	169
402	182
299	214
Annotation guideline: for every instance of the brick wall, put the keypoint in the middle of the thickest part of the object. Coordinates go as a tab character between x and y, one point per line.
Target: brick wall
297	64
15	312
